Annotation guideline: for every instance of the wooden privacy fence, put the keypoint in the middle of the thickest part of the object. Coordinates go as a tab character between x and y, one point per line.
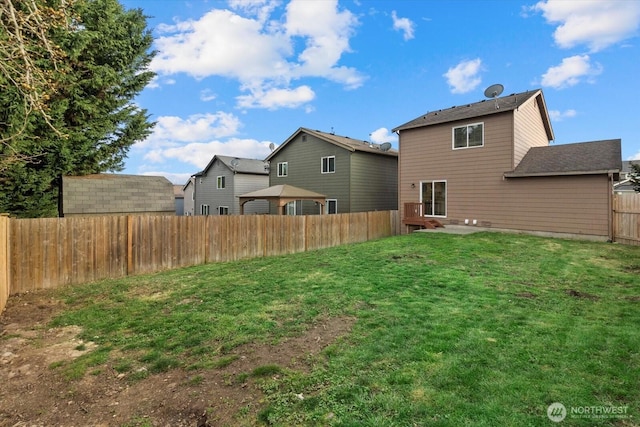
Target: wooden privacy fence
626	218
49	252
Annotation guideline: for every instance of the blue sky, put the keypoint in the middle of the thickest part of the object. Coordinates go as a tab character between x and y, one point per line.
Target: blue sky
235	76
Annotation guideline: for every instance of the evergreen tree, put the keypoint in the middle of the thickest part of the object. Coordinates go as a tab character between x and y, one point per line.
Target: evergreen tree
635	176
91	120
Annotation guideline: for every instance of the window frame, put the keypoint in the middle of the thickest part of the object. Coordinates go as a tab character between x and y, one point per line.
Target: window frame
328	203
328	162
225	208
203	208
467	126
285	166
221	179
433	196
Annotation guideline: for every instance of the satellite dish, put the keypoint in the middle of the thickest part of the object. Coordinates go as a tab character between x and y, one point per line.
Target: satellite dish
234	163
272	146
385	146
493	91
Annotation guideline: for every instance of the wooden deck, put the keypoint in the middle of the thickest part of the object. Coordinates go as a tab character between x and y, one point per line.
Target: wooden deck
413	216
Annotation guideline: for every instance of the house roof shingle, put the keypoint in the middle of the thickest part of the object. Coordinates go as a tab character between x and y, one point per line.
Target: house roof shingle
248	166
345	142
479	109
583	158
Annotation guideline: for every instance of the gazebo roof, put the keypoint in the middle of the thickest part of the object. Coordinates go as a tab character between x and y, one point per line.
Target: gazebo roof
282	194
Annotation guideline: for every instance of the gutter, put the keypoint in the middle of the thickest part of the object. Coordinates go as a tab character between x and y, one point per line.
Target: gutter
513	174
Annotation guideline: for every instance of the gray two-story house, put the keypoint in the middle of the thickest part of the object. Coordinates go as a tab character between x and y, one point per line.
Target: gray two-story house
215	190
355	175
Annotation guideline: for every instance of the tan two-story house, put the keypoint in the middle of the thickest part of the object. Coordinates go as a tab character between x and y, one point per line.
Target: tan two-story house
490	164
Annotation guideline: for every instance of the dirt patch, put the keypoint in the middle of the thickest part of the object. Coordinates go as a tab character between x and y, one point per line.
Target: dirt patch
583	295
527	295
33	394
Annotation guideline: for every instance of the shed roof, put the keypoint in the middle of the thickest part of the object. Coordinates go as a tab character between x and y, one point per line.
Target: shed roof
116	194
345	142
585	158
479	109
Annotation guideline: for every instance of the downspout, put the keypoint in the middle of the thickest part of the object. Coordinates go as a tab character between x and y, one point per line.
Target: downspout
610	210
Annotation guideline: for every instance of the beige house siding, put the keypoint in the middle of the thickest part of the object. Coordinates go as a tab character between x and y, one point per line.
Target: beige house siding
528	129
477	189
472	174
560	204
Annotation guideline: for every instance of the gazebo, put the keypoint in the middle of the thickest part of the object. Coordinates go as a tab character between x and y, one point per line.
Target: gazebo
282	194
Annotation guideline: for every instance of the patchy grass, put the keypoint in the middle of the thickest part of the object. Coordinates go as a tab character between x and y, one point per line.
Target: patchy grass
486	329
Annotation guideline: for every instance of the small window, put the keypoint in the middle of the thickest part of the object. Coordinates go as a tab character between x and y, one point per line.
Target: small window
468	136
434	198
223	210
332	206
220	182
329	164
283	169
204	209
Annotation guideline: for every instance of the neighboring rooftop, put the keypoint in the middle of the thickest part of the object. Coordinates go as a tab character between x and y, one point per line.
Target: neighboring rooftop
241	165
478	109
345	142
583	158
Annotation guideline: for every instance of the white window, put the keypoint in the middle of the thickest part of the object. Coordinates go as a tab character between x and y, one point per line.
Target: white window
332	206
220	182
204	209
329	164
434	198
223	210
468	136
283	169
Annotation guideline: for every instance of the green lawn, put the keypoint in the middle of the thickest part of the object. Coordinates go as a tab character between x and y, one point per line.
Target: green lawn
487	329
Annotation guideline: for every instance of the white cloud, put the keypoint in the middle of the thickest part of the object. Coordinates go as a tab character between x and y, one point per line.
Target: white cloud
570	72
596	24
200	153
464	77
172	130
207	95
403	24
558	116
382	135
276	98
258	48
635	156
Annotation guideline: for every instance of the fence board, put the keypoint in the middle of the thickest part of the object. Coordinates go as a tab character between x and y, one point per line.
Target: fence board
626	218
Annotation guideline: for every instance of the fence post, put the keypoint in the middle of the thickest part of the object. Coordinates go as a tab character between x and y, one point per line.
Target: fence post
5	284
129	245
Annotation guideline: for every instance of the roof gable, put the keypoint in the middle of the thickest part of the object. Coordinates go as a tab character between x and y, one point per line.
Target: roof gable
585	158
480	109
345	142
